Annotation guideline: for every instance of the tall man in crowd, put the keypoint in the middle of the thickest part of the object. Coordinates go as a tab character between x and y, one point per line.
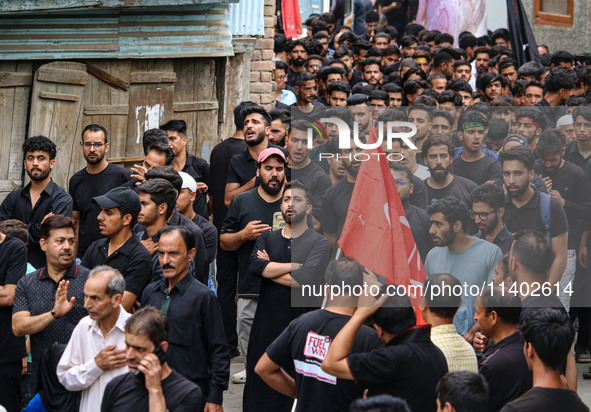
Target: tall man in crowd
97	178
40	198
197	345
95	353
120	249
48	303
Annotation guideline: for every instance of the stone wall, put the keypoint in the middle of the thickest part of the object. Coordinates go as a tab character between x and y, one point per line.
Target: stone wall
262	86
572	39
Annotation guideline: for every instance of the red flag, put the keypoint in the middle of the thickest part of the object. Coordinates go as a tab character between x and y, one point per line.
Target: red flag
292	21
376	232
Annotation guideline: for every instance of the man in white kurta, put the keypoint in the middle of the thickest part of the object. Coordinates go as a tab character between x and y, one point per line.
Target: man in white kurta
96	351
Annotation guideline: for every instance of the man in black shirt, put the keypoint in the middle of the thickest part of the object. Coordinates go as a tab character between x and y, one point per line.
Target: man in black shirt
96	179
548	336
188	163
40	198
251	214
304	342
472	163
418	219
409	366
13	265
161	388
567	185
159	154
304	170
226	270
459	391
49	302
488	207
197	345
121	249
503	364
438	153
523	207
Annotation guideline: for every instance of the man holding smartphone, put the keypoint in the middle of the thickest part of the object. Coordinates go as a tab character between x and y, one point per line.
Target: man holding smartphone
162	388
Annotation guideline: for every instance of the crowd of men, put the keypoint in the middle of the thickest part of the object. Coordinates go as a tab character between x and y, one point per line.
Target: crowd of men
134	289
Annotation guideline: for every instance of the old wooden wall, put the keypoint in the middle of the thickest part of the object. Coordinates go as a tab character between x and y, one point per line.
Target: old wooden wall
127	97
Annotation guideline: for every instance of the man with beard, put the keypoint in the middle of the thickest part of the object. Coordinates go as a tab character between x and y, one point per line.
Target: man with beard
566	184
358	105
39	199
438	153
297	60
472	163
197	345
488	202
280	298
417	218
280	119
370	71
304	170
48	303
242	168
250	214
529	122
304	87
337	198
523	207
469	259
96	179
188	163
480	64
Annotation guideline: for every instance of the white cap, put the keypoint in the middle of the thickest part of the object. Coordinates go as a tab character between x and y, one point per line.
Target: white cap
564	120
188	182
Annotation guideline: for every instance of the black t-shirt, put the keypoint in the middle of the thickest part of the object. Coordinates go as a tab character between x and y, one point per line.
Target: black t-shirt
219	160
13	266
334	207
315	153
396	17
480	171
547	400
528	216
124	393
243	167
460	188
83	187
198	169
246	207
132	260
420	224
211	236
316	181
408	367
304	344
504	367
418	197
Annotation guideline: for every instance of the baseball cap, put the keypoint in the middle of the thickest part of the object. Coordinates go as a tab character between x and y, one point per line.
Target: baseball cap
119	196
188	182
272	151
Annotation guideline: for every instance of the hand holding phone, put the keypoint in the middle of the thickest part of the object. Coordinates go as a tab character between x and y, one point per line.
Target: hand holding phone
161	355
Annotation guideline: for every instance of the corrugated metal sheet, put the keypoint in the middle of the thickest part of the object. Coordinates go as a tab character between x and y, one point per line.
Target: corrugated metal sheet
247	18
36	5
186	31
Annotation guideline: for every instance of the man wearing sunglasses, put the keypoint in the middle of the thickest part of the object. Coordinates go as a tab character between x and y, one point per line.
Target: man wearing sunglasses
487	211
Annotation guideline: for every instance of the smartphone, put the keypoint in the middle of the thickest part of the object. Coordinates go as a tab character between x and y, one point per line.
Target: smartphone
159	352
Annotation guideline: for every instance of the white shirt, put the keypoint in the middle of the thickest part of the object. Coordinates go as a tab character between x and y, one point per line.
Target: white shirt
77	370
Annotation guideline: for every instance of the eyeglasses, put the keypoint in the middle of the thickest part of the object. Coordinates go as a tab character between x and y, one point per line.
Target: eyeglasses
481	215
401	181
88	145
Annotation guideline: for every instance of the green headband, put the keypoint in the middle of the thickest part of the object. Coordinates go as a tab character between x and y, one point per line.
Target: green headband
473	125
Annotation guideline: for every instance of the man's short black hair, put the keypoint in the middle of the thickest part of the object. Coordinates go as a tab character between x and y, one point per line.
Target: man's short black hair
186	234
485	79
95	128
279	43
450	96
490	194
391	50
148	321
392	88
379	403
382	34
238	117
279	113
396	315
465	391
369	62
445	302
357	99
558	79
497	130
533	112
401	168
551	333
454	210
468	40
412	86
41	144
531	69
363	88
294	43
505	63
444	38
327	70
344	272
408	40
414	70
521	154
164	149
446	115
338	86
380	95
167	173
562	56
501	33
152	136
160	191
532	251
258	109
583	111
175	126
442	56
361	45
374	52
550	142
427	109
372	16
506	305
341	113
459	85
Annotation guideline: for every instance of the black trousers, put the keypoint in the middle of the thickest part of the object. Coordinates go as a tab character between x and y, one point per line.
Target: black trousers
227	279
10	376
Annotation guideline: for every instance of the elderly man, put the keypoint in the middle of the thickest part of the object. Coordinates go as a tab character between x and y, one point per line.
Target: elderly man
96	351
